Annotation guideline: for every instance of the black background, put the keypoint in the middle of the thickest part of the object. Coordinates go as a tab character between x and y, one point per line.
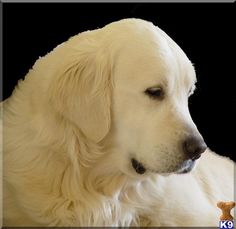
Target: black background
206	32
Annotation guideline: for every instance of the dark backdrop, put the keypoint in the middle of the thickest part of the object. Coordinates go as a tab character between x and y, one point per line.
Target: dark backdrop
205	31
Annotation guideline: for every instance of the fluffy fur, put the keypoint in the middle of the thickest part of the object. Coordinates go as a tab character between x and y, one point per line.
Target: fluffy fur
73	125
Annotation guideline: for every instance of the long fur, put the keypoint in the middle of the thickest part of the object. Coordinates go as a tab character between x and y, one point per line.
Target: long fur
57	172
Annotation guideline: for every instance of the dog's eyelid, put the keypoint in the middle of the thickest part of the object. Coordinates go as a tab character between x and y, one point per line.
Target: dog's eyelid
155	88
155	92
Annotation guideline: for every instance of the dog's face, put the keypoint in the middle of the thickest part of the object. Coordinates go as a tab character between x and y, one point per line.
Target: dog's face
126	87
152	130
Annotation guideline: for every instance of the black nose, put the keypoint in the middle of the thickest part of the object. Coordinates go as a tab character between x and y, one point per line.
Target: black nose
193	147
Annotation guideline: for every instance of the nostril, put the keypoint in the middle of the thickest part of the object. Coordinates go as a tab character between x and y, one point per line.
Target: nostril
193	147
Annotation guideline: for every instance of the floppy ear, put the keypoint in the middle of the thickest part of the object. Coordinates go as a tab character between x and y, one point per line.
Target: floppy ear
81	91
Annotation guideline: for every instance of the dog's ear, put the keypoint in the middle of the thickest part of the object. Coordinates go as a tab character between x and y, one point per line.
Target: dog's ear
81	91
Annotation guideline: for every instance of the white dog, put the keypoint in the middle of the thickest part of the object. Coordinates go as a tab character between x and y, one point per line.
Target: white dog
99	134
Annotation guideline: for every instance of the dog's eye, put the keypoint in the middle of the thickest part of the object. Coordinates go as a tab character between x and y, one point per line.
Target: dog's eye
155	92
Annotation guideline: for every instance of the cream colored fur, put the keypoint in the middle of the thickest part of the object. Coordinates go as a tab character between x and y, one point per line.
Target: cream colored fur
73	125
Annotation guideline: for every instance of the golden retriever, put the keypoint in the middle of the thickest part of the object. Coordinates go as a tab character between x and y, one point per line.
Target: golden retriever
99	134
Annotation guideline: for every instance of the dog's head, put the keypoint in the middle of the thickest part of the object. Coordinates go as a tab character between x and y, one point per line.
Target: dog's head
126	87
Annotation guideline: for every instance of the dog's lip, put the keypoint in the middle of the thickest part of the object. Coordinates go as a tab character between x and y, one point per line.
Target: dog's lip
138	166
186	167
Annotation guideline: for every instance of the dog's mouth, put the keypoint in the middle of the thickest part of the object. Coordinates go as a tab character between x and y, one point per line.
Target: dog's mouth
138	167
185	167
